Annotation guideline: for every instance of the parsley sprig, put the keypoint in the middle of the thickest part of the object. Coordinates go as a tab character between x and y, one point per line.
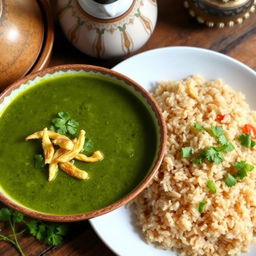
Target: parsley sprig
63	124
50	233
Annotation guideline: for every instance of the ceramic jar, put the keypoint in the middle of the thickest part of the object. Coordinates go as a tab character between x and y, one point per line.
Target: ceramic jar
107	30
220	13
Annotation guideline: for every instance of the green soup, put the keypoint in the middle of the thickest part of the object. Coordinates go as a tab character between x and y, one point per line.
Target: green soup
115	120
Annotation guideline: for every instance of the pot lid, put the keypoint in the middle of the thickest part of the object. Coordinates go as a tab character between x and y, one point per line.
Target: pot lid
21	38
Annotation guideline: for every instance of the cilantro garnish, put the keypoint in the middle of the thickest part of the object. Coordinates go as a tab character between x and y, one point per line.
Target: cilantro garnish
214	156
230	180
211	186
38	161
201	206
225	148
198	127
216	131
246	140
51	233
222	139
63	124
242	168
186	152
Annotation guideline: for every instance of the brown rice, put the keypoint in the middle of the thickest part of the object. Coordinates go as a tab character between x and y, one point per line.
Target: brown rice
167	211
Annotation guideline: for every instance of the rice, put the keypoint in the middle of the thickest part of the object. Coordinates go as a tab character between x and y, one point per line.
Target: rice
167	210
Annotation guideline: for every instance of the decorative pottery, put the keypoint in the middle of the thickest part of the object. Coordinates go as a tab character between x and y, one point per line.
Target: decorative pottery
26	38
220	13
107	30
21	38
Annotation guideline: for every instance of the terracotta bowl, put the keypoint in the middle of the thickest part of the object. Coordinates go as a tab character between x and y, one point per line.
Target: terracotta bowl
149	103
26	38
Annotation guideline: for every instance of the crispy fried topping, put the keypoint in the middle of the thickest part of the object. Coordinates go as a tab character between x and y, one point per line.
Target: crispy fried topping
95	157
47	147
68	150
73	171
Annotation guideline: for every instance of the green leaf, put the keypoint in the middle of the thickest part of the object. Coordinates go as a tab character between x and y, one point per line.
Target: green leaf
243	165
198	161
58	122
242	168
64	115
186	152
17	217
201	206
38	161
41	232
73	123
222	139
214	156
71	130
51	233
246	140
216	131
228	147
5	214
55	233
62	130
63	124
225	148
198	127
211	186
88	145
33	227
230	180
61	229
54	239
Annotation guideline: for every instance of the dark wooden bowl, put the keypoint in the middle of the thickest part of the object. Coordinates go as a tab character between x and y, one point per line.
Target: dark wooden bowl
148	100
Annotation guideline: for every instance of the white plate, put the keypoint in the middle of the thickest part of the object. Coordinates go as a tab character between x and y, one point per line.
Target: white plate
117	229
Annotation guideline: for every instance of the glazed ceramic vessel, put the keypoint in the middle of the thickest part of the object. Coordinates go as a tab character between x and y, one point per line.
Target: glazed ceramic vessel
21	25
20	87
26	38
220	13
107	29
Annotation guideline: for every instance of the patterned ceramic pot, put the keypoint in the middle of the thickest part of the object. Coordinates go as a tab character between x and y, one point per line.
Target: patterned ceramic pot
220	13
106	32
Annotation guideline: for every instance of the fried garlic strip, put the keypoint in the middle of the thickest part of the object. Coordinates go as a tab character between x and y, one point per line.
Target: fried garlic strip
95	157
64	143
66	157
51	134
73	171
47	147
53	166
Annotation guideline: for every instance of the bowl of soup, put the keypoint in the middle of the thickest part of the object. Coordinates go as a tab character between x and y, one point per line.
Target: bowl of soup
77	141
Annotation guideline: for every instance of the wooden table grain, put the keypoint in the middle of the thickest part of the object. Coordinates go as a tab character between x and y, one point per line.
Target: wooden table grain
174	27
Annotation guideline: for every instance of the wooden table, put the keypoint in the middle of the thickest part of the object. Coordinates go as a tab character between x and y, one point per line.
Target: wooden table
174	27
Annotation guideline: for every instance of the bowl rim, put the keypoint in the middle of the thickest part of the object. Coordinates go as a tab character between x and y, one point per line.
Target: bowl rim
132	194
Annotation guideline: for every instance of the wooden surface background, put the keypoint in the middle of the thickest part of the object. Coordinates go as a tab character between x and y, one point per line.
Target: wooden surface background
174	27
